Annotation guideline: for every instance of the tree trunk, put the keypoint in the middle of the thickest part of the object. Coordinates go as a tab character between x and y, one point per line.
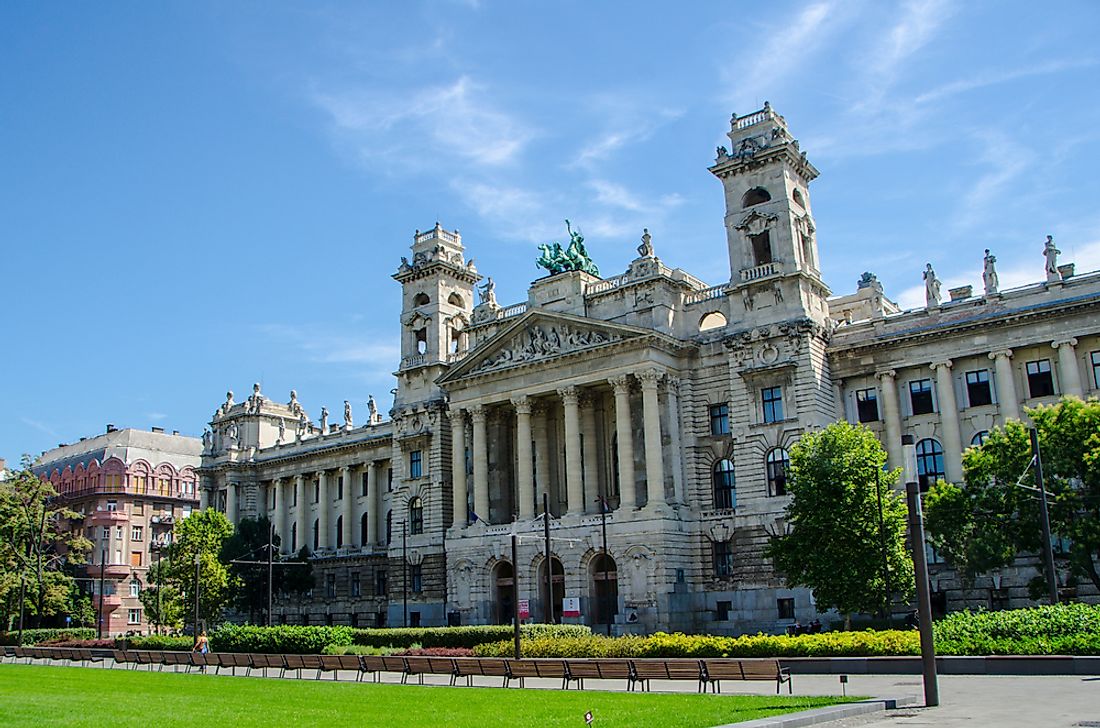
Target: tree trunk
847	622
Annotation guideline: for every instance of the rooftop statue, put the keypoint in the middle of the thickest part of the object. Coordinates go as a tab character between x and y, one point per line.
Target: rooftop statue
575	257
1051	253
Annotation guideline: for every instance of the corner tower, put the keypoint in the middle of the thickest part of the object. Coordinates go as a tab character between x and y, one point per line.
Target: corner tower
437	290
770	230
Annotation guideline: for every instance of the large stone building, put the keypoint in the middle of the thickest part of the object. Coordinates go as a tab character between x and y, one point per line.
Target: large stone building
131	487
672	402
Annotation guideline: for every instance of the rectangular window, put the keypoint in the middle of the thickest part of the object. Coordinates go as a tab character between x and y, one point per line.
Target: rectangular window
356	589
978	392
414	619
316	491
867	405
139	508
363	484
136	533
416	579
920	396
330	586
772	398
135	588
106	532
785	608
1094	359
723	558
133	616
720	419
722	612
380	583
416	464
340	488
135	558
1040	382
112	505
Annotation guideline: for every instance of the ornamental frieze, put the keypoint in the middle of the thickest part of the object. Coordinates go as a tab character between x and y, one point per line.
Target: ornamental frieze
536	342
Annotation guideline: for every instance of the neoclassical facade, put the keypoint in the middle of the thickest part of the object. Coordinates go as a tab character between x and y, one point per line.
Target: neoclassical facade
645	410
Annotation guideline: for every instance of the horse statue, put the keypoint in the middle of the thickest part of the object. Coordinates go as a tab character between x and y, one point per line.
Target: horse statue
575	257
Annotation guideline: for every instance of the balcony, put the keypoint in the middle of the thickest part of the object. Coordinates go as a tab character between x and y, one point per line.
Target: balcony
106	518
760	271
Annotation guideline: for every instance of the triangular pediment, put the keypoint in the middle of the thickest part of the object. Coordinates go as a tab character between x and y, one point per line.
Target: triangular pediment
537	336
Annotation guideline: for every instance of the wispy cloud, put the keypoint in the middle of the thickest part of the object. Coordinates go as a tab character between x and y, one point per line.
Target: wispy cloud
916	26
618	196
454	120
39	425
993	78
1005	159
328	347
625	132
155	416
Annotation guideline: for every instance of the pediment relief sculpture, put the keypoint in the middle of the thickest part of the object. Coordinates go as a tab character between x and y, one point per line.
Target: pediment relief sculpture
542	341
756	222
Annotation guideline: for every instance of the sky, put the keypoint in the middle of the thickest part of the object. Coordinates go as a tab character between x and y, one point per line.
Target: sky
196	196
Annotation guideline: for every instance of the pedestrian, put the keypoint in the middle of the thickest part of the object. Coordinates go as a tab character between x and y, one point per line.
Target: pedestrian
202	646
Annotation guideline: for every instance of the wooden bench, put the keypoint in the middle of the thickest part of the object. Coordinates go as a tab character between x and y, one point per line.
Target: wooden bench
265	662
677	669
717	670
143	657
372	664
175	659
444	666
470	667
393	663
607	669
336	663
520	670
203	660
419	666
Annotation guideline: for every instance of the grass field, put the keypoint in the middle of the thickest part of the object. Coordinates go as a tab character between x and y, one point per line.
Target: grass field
73	696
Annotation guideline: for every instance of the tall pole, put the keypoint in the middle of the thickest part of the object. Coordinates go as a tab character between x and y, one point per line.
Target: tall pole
22	598
99	617
606	588
197	562
548	608
1044	517
270	568
160	607
882	547
515	596
920	570
405	572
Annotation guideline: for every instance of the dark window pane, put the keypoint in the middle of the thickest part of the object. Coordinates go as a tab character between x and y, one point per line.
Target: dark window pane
867	405
772	399
978	392
719	419
920	396
1040	382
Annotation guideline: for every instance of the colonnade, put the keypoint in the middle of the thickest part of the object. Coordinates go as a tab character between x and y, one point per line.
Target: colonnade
1008	401
580	481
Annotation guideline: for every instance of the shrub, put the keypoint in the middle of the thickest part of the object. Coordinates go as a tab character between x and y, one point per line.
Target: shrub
359	650
1063	629
438	652
158	642
37	636
282	639
92	644
462	636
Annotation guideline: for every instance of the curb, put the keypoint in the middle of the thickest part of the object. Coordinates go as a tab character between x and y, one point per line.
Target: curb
817	716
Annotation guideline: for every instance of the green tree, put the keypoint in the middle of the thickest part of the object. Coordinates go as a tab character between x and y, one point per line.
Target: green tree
246	554
835	545
38	542
995	517
201	537
162	601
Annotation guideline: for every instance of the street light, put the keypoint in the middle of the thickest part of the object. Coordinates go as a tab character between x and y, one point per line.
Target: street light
920	570
1044	517
607	591
882	547
197	562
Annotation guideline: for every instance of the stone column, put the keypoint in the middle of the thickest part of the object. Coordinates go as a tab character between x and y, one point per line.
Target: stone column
674	446
374	498
458	469
1068	371
324	538
301	513
481	464
542	454
949	421
204	496
590	460
525	477
891	416
651	418
1006	385
625	446
574	485
231	509
347	532
282	500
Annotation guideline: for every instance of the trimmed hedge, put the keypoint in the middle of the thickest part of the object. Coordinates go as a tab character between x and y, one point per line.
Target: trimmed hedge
1063	629
34	636
468	637
157	642
284	639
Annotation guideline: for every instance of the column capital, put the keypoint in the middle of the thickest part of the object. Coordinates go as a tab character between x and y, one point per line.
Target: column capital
887	374
477	413
321	474
457	417
1006	353
345	469
570	397
1068	341
650	378
946	363
621	383
522	403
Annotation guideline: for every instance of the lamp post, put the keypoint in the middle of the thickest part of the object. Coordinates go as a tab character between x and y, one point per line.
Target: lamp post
197	566
920	570
1044	517
270	569
882	547
99	617
405	572
548	608
515	596
607	592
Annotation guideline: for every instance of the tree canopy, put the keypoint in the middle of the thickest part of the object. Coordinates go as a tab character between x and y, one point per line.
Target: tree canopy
995	516
249	543
201	536
836	544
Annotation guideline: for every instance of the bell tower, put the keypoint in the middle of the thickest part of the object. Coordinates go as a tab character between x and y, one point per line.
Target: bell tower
437	290
770	230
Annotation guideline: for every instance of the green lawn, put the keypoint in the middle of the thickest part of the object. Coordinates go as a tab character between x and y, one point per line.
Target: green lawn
74	696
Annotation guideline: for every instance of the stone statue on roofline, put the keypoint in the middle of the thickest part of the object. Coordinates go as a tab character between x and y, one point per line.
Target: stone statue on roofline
931	287
347	415
372	410
989	273
1051	253
324	420
488	292
645	250
556	259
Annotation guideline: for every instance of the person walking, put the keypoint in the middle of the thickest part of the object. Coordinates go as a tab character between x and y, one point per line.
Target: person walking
202	646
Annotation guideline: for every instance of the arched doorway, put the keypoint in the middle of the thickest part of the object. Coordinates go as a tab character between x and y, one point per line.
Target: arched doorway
605	591
504	592
558	584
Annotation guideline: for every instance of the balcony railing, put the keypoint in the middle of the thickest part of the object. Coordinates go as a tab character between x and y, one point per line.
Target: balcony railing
707	294
760	271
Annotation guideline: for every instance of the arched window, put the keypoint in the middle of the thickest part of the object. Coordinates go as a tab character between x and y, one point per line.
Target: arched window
294	538
416	516
389	527
778	465
755	196
316	534
421	299
929	463
725	488
979	438
713	320
797	195
456	300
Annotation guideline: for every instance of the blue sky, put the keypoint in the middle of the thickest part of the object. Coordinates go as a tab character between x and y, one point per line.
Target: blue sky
195	196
